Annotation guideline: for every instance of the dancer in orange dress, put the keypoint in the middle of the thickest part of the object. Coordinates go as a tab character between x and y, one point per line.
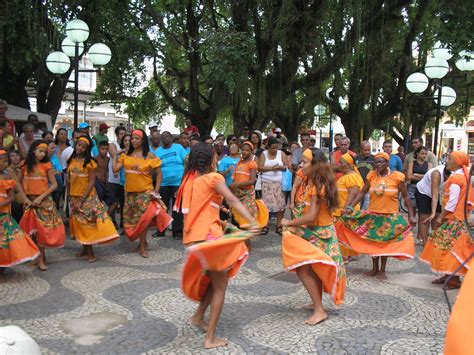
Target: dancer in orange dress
143	207
213	255
450	244
297	202
349	186
41	218
89	224
309	244
381	231
15	246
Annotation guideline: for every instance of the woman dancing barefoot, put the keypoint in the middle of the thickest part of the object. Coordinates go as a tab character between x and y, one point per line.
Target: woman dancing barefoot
213	255
311	249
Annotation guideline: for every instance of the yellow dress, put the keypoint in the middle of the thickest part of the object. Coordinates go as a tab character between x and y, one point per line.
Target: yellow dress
90	224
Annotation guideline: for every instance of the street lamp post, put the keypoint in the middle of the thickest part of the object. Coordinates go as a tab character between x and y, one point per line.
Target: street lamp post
320	111
77	32
437	68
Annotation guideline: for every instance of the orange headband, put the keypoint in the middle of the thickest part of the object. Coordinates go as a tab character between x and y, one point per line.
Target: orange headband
42	145
3	152
248	143
461	159
83	139
350	160
382	155
137	132
308	154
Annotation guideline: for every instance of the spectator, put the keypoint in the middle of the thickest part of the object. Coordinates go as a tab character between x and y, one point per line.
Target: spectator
417	142
4	121
280	137
34	120
207	139
343	144
401	153
194	140
227	165
220	138
219	148
265	141
155	142
67	152
231	138
116	181
365	163
48	137
298	153
61	141
337	139
190	128
85	128
7	140
245	134
256	140
153	127
395	163
184	141
172	158
26	139
272	163
312	143
58	173
104	190
102	135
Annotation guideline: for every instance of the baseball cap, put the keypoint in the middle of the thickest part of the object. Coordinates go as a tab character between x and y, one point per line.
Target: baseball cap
278	130
152	124
104	126
83	125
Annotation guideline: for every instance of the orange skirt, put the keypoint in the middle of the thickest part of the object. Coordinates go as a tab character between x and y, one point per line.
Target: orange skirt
461	322
447	248
142	212
15	246
44	221
400	249
297	251
227	254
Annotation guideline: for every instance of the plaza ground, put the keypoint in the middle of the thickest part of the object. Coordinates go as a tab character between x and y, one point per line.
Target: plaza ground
127	304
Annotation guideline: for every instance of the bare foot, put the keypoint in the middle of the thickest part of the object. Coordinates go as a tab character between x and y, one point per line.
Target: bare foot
34	263
143	253
92	259
317	318
42	266
200	323
309	307
371	273
215	343
81	254
382	276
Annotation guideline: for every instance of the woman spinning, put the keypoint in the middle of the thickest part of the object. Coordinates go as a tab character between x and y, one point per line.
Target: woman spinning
213	255
312	250
381	231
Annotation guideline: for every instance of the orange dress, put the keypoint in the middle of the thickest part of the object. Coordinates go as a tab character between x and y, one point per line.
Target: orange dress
461	322
317	245
381	230
346	182
43	220
90	224
209	246
450	244
246	195
16	246
141	210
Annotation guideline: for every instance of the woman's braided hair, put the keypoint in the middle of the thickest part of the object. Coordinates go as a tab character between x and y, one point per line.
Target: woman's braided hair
200	159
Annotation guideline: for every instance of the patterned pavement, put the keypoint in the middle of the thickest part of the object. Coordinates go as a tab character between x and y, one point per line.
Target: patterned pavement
126	304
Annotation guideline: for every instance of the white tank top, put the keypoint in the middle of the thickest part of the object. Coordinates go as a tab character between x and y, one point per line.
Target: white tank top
112	178
271	176
424	185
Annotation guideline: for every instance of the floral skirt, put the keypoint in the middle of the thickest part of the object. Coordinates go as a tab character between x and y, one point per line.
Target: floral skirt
298	209
141	211
273	196
226	254
15	245
376	234
316	246
91	224
256	208
448	247
44	221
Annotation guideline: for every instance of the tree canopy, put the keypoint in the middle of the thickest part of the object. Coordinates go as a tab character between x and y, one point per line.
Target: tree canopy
246	62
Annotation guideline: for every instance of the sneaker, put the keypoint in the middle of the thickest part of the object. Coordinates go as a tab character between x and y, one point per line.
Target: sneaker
158	234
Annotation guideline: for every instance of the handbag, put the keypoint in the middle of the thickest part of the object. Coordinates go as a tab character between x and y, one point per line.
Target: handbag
286	181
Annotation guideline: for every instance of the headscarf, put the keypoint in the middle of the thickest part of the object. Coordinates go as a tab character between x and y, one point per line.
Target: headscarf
84	140
308	154
350	160
248	143
462	159
137	132
382	155
3	152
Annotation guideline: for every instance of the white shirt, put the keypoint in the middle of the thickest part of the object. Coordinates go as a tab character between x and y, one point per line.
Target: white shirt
65	155
275	175
112	178
424	185
454	191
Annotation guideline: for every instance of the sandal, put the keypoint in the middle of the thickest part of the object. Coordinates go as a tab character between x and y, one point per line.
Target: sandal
439	281
452	285
279	230
264	231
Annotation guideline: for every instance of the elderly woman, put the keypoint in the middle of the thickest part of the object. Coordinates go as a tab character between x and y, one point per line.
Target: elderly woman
381	231
450	245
